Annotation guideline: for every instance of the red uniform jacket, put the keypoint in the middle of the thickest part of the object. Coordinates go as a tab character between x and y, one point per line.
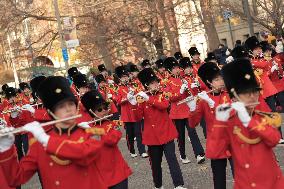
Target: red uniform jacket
275	76
69	161
266	84
127	114
255	163
113	107
192	79
203	110
158	127
3	182
177	111
196	66
110	163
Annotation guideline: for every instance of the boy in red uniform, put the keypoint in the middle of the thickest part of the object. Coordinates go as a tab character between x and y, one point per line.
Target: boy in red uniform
107	94
159	132
210	74
179	113
111	164
195	58
65	156
261	68
132	124
246	132
26	95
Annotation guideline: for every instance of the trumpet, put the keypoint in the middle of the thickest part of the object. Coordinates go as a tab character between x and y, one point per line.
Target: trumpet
20	129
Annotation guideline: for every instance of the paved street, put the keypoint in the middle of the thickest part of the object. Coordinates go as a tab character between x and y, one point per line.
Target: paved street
195	176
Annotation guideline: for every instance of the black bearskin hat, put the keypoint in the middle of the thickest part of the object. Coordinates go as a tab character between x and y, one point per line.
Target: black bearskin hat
207	72
54	90
147	76
239	77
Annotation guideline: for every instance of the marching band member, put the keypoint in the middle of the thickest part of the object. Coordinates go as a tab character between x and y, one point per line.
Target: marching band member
107	92
249	134
261	68
210	74
159	132
111	164
65	156
178	56
132	125
102	69
195	58
179	113
26	95
146	64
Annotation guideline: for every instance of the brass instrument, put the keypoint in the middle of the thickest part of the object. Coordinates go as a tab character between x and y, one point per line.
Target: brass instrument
20	129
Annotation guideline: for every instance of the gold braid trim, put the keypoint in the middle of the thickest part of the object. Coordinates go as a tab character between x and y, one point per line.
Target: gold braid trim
7	159
60	161
237	131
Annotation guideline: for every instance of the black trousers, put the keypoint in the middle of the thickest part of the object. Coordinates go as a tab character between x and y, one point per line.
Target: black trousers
271	102
218	167
156	154
181	124
122	185
22	145
134	129
203	125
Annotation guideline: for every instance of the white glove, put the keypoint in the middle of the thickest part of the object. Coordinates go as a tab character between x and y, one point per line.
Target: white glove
131	98
15	112
242	112
6	142
3	124
204	96
109	95
32	100
38	132
84	125
274	67
194	85
183	88
191	103
223	112
110	81
143	95
29	108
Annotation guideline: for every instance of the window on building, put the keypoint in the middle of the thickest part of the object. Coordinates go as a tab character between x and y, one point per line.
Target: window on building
224	42
245	37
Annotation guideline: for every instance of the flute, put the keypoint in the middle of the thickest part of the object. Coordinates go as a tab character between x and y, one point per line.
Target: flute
19	108
20	129
229	106
100	119
190	98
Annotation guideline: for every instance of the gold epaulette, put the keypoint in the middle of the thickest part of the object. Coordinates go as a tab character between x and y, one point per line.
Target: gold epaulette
95	131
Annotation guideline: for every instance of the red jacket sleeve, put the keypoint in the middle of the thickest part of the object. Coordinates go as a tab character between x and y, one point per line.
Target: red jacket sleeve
268	134
112	137
18	173
160	103
219	141
82	153
195	117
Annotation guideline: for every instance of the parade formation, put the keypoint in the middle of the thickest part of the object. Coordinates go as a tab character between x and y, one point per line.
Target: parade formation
66	129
